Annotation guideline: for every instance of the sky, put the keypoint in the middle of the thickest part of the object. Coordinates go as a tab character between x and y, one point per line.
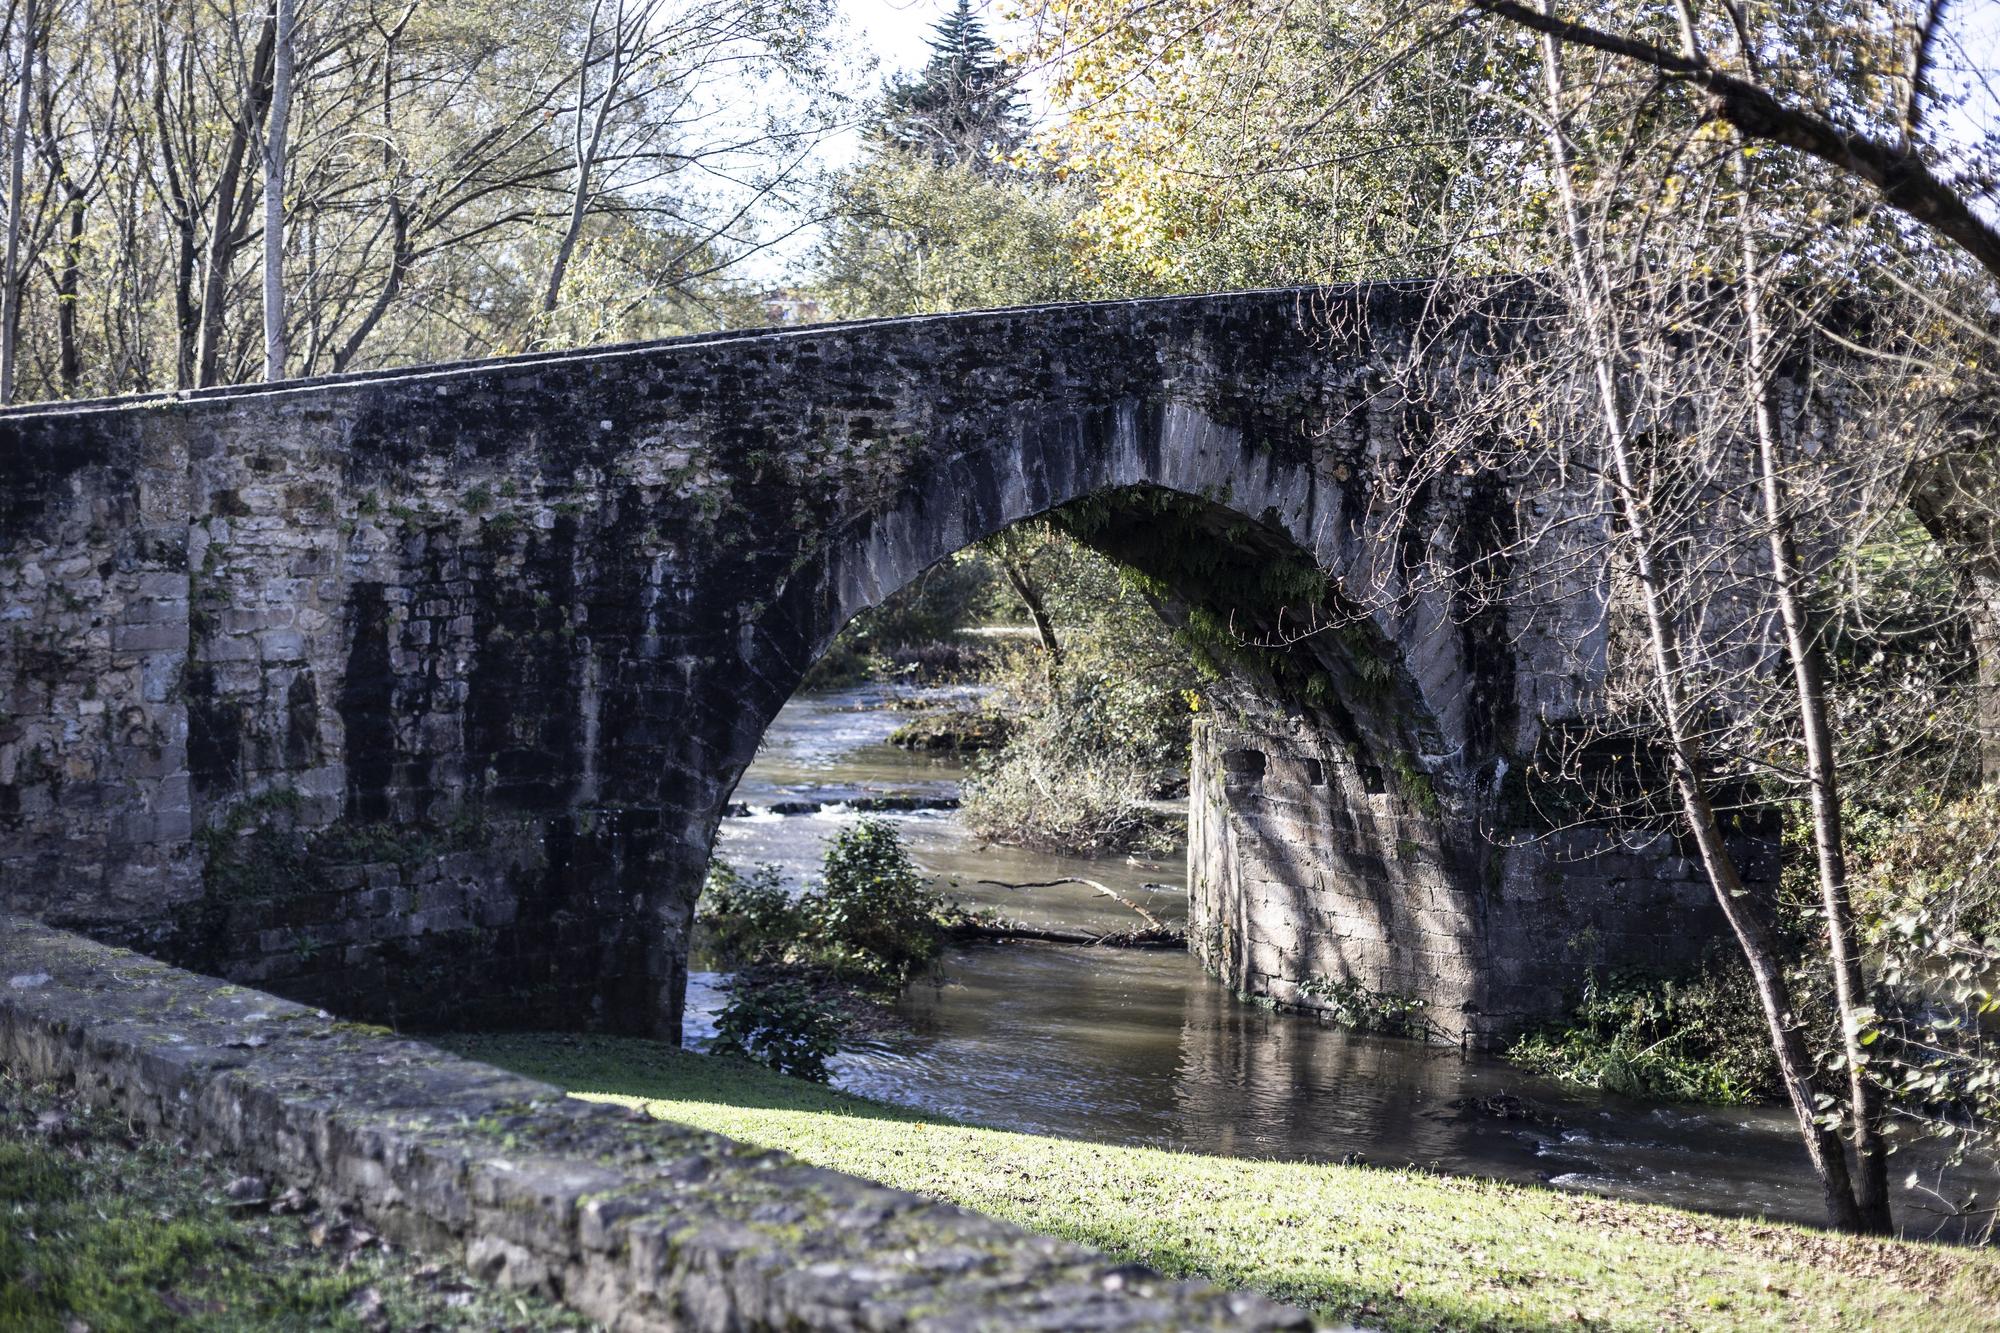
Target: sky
895	35
896	30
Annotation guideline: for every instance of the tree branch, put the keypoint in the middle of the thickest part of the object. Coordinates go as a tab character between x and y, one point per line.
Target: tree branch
1900	176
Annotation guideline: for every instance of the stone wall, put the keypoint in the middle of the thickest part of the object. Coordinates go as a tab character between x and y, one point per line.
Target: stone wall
1308	864
247	635
639	1223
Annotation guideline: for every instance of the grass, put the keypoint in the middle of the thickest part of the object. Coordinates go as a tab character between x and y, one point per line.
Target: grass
1390	1249
105	1231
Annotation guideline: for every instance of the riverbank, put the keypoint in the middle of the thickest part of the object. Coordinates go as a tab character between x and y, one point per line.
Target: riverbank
1387	1248
106	1231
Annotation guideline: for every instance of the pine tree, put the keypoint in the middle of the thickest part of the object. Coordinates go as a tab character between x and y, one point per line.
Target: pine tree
962	110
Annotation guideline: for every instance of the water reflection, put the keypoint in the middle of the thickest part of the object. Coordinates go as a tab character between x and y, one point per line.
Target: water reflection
1136	1046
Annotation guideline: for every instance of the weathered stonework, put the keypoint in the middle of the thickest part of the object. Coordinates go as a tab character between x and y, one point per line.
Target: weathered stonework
555	600
639	1223
1304	867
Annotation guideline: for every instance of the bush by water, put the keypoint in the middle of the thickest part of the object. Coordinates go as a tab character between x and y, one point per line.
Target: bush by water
809	961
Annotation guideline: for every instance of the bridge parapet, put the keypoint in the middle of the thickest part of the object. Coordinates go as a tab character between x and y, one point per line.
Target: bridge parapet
639	1223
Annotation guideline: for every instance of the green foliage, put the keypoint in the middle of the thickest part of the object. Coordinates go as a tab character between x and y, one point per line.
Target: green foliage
913	237
751	918
1233	152
1353	1004
962	109
873	918
1932	861
1697	1039
1415	782
779	1024
874	915
1934	1040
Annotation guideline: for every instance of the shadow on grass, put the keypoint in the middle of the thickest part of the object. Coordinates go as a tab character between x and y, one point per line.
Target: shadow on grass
634	1067
1412	1257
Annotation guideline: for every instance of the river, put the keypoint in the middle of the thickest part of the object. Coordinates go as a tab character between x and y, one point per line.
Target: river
1138	1046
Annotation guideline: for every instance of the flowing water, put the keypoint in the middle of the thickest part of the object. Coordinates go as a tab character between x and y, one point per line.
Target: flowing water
1139	1046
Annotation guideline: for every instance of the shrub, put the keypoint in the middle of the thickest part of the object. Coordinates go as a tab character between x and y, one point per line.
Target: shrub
1043	789
1353	1005
752	918
1934	861
954	731
1094	738
1698	1039
873	915
778	1023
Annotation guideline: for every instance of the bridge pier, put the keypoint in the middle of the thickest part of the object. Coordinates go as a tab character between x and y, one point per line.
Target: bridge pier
1326	882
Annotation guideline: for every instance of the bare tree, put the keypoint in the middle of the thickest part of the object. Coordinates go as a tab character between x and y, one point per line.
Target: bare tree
1637	506
83	118
31	33
274	190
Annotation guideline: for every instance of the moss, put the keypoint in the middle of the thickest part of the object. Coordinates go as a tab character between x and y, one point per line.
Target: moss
256	849
114	1233
1416	783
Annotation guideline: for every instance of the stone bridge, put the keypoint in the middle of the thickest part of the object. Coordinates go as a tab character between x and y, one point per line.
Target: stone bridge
418	695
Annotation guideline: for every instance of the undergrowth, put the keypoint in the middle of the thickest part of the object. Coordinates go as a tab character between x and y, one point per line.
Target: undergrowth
1700	1038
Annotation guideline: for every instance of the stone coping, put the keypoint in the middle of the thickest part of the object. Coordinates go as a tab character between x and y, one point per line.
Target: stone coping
639	1223
1501	284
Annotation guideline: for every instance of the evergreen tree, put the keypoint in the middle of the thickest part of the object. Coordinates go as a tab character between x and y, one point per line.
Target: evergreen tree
962	110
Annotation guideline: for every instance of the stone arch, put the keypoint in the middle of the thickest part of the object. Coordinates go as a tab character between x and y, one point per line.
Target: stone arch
1347	726
1053	461
556	600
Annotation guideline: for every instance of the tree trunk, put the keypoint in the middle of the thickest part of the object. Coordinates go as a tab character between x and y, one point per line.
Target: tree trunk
1753	936
180	208
1024	588
400	254
225	235
588	145
400	260
274	190
69	290
17	157
1982	599
1871	1158
69	264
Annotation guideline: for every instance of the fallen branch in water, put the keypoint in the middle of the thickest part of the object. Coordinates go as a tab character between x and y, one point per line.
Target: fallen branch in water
1117	939
1157	925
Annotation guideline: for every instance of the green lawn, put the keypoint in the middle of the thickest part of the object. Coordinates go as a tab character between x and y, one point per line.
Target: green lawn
1397	1249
